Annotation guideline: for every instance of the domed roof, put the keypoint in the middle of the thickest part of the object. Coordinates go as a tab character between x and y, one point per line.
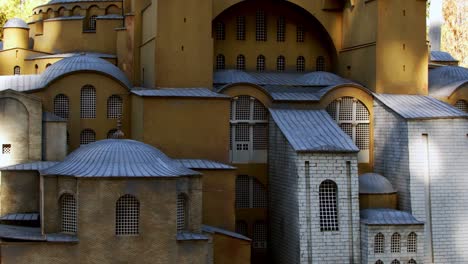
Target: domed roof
233	76
373	183
16	23
118	158
384	216
82	63
443	81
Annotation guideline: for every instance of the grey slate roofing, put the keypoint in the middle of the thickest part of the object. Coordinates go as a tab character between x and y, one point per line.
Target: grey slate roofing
443	81
32	166
384	216
419	106
68	55
437	55
50	117
186	236
294	93
373	183
52	2
16	23
204	164
82	63
33	234
110	16
118	158
217	230
65	18
312	131
21	217
178	92
20	83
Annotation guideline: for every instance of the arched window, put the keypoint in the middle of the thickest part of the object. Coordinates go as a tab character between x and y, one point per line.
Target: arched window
241	228
395	245
240	62
320	63
68	213
462	105
114	107
412	246
250	193
300	33
111	133
87	136
261	30
76	11
220	62
61	12
379	243
281	29
300	64
240	27
92	22
354	119
17	70
88	102
182	212
48	65
127	215
36	69
395	261
379	262
260	235
260	63
220	31
412	261
61	106
249	130
280	63
328	192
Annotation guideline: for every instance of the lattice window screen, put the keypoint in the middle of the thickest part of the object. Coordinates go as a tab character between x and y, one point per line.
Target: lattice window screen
92	22
346	109
241	227
259	111
300	64
242	191
395	261
331	109
379	243
220	62
87	136
61	106
280	64
347	128
243	132
181	212
300	33
261	31
220	31
395	245
6	149
281	29
462	105
114	107
260	235
362	114
241	28
127	215
412	245
261	63
68	208
260	199
362	136
379	262
250	193
320	63
412	261
260	136
243	108
88	102
240	63
328	193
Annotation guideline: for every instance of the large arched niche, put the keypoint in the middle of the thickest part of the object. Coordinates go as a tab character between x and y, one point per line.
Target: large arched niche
238	89
331	21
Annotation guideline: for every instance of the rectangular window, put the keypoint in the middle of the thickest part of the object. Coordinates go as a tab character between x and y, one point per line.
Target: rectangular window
6	149
281	30
241	28
261	34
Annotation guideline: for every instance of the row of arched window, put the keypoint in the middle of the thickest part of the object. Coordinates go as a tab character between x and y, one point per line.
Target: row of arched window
395	243
127	214
88	136
396	261
261	63
260	28
88	104
17	69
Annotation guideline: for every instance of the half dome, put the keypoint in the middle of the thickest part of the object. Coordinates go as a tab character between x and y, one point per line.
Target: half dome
118	158
373	183
16	23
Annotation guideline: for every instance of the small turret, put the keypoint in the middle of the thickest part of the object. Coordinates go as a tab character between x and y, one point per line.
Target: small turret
15	34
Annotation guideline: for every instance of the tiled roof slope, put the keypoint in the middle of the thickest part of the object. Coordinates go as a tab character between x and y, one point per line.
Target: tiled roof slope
442	56
32	166
443	81
312	131
204	164
383	216
213	230
178	92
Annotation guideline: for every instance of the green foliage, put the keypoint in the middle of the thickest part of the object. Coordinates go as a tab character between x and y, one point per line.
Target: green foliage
17	8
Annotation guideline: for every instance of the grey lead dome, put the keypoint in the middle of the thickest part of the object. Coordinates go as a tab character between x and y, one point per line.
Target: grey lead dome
373	183
16	23
118	158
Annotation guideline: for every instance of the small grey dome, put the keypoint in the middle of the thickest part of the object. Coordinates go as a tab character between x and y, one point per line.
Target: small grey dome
373	183
383	216
82	63
118	158
16	23
443	81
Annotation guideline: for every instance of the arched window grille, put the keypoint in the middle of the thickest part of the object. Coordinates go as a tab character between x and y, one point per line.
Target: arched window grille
250	193
462	105
61	106
412	245
281	29
68	213
87	136
395	245
220	31
17	70
300	64
249	130
127	215
114	107
240	28
260	63
88	102
111	133
240	62
261	30
328	199
354	119
300	33
92	22
182	212
280	63
379	243
379	262
395	261
48	65
320	64
260	235
412	261
36	69
220	62
241	228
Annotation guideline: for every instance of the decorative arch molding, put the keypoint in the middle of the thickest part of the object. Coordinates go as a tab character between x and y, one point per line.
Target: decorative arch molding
250	89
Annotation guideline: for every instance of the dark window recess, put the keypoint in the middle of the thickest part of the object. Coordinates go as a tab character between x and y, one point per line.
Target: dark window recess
6	149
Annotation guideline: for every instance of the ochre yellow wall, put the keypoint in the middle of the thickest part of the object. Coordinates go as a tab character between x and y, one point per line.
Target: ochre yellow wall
15	38
16	57
228	250
460	94
378	201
